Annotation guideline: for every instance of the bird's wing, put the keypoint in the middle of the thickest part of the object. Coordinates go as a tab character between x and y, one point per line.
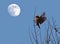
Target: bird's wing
43	15
42	18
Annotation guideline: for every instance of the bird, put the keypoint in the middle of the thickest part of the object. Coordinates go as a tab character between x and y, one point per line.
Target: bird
40	19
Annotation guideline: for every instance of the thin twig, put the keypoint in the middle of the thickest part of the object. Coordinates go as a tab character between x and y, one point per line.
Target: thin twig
34	28
30	36
40	35
51	33
56	30
47	37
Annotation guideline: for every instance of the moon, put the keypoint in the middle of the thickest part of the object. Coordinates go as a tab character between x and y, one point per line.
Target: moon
14	10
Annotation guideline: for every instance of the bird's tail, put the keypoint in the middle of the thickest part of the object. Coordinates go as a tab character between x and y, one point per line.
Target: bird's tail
38	26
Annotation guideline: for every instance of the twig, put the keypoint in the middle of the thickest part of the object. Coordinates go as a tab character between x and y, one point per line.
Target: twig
30	37
51	33
34	28
47	38
40	35
56	30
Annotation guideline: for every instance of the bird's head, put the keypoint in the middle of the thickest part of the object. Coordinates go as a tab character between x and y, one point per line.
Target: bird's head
37	16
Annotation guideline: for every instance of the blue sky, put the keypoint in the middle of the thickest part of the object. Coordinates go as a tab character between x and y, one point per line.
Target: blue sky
14	30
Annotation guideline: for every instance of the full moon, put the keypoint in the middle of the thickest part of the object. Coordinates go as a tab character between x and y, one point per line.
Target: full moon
14	10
